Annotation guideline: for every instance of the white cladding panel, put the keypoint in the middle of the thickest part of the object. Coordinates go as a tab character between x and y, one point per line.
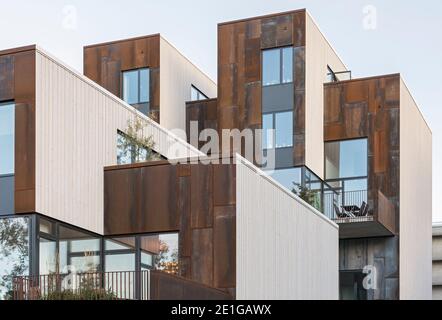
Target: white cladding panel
177	76
285	249
415	239
319	55
76	134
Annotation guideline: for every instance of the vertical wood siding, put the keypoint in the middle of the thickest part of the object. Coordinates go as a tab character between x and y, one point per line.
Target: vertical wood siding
285	248
76	134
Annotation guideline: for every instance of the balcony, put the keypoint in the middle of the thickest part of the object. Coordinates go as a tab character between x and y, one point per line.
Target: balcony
356	217
122	285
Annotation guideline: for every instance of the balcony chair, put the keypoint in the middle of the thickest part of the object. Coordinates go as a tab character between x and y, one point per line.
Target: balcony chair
338	212
363	211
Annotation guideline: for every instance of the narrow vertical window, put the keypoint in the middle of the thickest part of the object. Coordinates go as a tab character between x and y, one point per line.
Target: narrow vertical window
130	86
267	131
7	138
144	85
284	129
136	89
287	65
271	67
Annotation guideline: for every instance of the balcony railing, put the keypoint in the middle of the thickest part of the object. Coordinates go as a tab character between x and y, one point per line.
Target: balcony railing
348	206
123	285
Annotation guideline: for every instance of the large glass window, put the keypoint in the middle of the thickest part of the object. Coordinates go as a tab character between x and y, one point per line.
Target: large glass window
346	159
7	131
120	254
277	130
302	182
346	172
14	252
196	94
277	66
79	251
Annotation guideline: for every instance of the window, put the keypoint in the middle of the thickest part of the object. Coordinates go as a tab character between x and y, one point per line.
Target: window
196	94
161	251
302	182
346	173
346	159
128	152
277	66
277	130
136	89
78	251
7	132
120	254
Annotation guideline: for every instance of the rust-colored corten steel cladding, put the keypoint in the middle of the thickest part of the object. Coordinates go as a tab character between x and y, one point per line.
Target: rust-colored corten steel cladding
17	84
369	108
104	63
205	114
240	45
165	286
195	199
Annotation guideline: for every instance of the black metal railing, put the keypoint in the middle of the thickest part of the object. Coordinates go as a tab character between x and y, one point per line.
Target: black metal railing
348	205
338	76
121	285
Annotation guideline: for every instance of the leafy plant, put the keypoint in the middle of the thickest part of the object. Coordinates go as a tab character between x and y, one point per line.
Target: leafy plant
14	250
87	290
308	195
134	145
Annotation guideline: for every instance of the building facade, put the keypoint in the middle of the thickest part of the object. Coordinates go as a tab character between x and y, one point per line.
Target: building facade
171	220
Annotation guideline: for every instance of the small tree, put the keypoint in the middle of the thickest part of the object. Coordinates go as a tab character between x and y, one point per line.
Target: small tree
306	194
134	144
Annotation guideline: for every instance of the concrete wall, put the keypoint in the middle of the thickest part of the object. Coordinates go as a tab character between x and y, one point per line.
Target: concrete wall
76	135
178	74
415	201
285	249
319	54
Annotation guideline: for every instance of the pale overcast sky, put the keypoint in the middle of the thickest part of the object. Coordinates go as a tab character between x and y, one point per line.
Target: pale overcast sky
407	37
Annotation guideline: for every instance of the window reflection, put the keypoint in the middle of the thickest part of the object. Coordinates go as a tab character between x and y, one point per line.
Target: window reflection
14	252
164	250
78	251
302	182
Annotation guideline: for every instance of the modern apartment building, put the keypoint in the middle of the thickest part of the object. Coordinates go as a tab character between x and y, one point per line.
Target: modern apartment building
350	188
